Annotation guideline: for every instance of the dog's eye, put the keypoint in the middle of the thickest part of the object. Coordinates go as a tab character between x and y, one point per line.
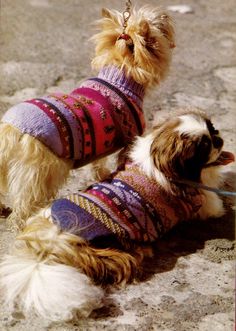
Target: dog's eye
205	144
217	141
131	48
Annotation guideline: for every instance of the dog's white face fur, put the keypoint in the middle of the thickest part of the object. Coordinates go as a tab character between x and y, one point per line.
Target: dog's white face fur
185	146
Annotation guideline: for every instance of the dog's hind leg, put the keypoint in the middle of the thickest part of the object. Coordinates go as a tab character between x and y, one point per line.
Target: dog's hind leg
32	174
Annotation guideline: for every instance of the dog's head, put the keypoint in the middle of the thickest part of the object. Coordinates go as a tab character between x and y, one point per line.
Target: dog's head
181	146
144	51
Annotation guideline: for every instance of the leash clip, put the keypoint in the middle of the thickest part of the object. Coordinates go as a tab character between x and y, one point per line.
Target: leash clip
126	16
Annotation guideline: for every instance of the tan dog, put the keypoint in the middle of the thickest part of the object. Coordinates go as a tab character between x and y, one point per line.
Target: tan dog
42	139
97	236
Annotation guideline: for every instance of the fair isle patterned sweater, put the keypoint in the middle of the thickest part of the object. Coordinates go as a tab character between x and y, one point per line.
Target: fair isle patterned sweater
101	115
129	206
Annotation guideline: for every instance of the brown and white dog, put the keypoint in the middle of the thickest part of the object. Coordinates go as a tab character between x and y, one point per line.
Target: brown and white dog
59	260
42	139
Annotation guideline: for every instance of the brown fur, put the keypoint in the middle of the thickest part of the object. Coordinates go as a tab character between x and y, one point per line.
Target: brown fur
169	152
43	239
152	33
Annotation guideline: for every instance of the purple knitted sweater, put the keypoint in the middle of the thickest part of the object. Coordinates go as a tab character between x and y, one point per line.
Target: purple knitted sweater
129	206
101	115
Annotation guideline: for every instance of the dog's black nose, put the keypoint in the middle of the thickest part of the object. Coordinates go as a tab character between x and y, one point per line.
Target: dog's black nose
217	142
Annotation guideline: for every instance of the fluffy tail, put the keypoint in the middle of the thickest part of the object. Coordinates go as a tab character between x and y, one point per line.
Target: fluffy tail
51	272
55	292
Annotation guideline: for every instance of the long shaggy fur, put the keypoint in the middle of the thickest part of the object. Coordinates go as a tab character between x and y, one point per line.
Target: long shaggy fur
30	174
152	33
55	272
102	265
56	292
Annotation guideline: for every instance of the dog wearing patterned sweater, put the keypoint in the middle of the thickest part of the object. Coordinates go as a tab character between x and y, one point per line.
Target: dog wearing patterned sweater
43	138
100	236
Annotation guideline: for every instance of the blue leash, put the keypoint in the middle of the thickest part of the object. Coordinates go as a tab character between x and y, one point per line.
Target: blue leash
205	187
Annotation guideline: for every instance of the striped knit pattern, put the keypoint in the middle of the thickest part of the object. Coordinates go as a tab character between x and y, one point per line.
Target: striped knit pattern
129	205
103	114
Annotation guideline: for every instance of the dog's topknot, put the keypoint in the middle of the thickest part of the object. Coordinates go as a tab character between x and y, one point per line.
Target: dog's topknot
147	57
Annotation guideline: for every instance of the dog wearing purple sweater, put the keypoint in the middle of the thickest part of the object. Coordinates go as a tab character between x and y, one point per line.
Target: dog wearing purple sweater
42	139
61	263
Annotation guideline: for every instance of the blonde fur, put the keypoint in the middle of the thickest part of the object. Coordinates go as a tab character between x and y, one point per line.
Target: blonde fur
213	206
30	174
47	241
55	292
55	272
50	271
152	33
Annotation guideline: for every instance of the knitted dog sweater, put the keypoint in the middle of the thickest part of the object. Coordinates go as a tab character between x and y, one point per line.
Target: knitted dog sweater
103	114
129	205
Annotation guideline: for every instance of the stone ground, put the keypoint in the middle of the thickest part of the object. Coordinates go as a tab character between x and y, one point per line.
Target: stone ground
189	284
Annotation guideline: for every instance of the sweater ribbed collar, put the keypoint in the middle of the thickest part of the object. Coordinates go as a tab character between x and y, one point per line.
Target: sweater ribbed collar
119	79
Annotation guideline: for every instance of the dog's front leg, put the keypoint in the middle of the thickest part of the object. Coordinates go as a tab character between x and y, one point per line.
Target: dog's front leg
212	206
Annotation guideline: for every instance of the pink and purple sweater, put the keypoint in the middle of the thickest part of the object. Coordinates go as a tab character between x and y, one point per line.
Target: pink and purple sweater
127	207
101	115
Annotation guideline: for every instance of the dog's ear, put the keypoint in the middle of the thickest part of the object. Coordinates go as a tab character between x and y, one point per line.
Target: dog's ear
188	166
166	27
194	164
144	29
111	15
106	13
179	156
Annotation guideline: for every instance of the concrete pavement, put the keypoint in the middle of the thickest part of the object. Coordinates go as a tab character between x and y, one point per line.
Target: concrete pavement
189	284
